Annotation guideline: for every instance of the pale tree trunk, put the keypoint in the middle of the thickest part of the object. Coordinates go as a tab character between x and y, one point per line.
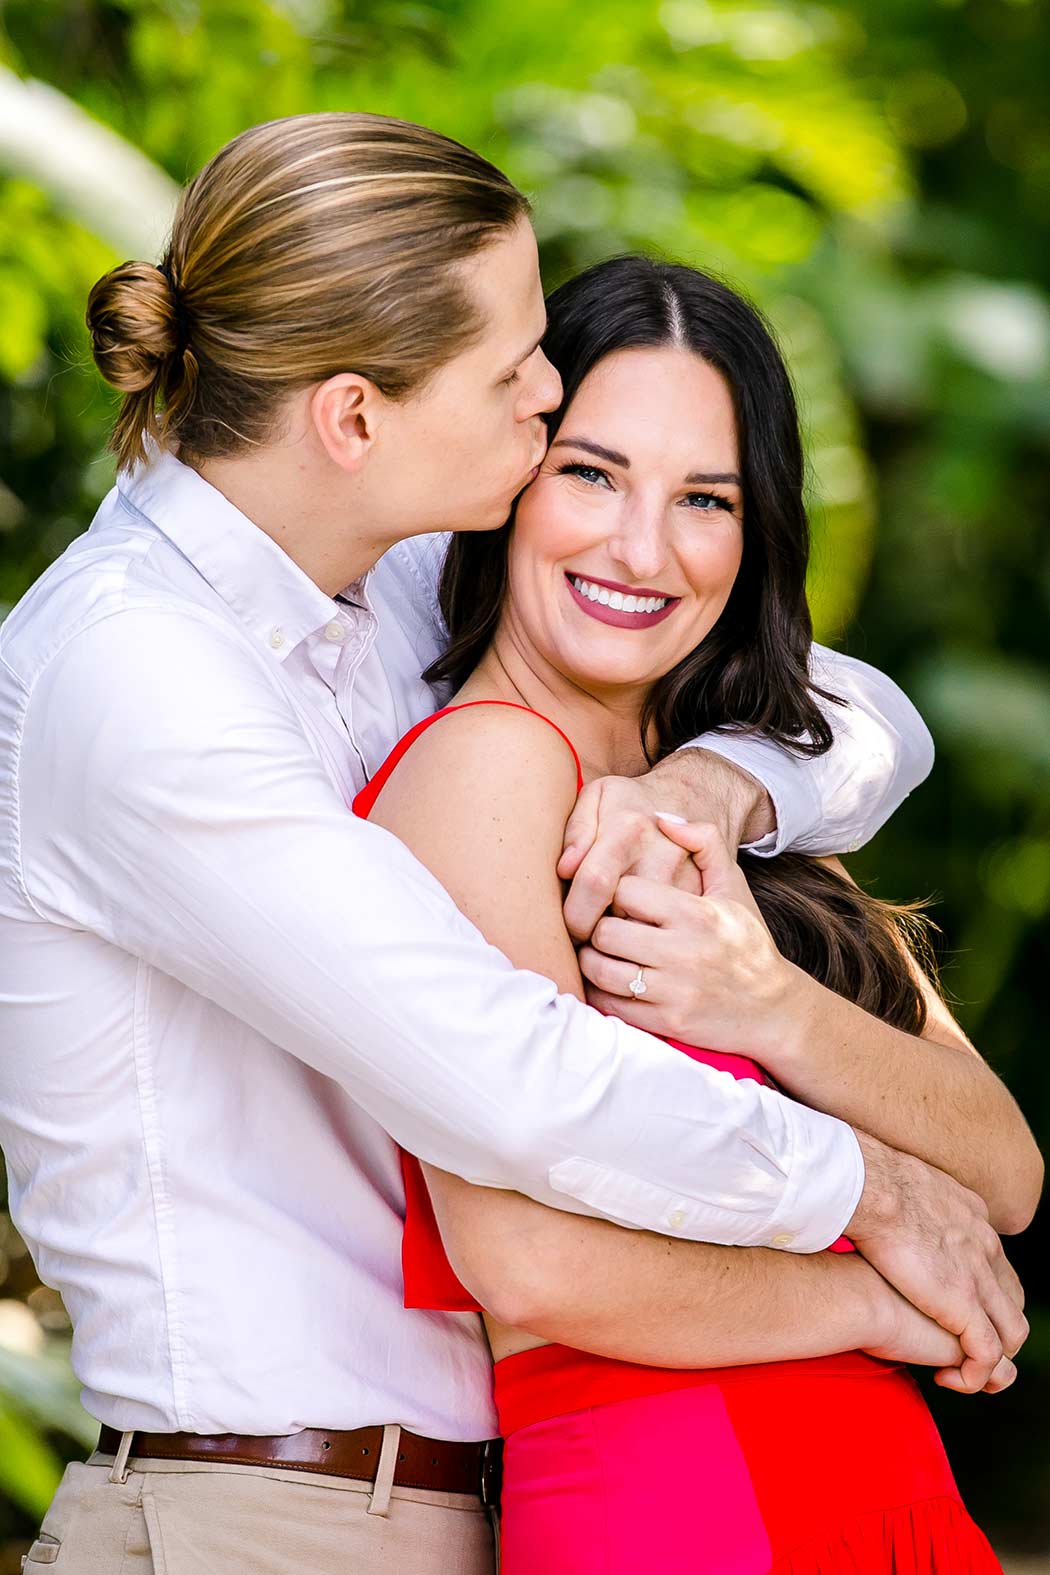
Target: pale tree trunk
89	171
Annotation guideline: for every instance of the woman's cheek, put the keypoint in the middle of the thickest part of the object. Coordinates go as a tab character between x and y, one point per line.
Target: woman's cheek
715	562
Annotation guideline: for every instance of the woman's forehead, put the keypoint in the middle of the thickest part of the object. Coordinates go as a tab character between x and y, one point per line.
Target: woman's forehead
655	402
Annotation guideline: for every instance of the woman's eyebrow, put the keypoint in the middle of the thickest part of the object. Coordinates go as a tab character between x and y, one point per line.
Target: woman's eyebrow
610	454
726	477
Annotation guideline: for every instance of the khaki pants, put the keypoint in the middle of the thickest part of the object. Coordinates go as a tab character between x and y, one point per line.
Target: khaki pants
182	1517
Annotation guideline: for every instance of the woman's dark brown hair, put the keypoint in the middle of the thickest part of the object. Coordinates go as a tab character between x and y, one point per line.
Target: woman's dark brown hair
751	673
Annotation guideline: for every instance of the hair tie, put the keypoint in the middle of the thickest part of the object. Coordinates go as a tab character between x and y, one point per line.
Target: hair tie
182	327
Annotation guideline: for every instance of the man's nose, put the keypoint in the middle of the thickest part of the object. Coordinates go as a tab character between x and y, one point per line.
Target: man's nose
547	388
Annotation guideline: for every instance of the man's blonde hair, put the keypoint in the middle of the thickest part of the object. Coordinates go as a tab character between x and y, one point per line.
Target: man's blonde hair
307	246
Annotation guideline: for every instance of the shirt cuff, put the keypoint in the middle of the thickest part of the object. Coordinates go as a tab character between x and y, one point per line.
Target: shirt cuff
787	778
823	1188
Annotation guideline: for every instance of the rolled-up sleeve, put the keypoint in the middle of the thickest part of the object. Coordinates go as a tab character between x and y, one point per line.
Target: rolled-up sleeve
192	825
836	802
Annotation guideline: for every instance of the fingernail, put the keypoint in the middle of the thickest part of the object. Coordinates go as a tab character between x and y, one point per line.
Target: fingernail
676	820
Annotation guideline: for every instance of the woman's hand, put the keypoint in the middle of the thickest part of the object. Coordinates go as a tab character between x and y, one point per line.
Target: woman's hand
712	974
903	1334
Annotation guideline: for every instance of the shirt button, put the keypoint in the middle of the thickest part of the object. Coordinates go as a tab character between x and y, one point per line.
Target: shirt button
277	638
676	1218
334	631
785	1239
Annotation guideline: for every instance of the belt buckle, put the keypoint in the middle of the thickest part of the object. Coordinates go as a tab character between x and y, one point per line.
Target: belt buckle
491	1472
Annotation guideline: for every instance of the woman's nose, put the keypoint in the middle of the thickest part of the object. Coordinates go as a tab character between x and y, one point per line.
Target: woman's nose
641	545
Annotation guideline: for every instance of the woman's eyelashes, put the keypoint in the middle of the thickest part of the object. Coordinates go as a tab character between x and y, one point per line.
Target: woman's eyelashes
586	473
709	502
702	502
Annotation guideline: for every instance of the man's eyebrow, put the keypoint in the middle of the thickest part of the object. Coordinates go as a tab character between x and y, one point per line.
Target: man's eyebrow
525	354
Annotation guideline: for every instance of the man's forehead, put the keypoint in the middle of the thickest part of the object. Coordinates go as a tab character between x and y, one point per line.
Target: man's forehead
504	278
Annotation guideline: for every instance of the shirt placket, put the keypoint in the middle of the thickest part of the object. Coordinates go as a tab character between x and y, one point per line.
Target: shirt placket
336	652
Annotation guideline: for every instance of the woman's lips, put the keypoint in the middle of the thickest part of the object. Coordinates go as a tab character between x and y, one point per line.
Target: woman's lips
616	616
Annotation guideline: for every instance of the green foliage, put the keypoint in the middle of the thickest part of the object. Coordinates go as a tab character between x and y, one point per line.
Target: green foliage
877	174
29	1468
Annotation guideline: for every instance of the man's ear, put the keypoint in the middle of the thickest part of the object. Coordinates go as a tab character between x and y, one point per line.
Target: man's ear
347	411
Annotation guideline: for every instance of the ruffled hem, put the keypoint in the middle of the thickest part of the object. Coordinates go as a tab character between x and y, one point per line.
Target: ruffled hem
933	1537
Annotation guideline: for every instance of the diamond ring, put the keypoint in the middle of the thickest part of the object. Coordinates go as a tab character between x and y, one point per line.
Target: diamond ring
638	985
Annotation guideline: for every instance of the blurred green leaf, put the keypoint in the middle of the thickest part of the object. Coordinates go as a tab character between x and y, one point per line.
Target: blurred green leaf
29	1469
43	1388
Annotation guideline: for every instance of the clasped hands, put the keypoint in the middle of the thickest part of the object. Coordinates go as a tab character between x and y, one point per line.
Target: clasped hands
667	895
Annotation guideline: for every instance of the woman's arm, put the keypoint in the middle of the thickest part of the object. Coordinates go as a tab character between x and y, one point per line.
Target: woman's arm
483	808
933	1097
662	1302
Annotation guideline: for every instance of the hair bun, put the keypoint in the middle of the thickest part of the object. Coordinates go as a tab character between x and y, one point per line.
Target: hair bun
133	322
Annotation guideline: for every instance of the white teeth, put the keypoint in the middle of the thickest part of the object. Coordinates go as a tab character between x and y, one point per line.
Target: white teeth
616	599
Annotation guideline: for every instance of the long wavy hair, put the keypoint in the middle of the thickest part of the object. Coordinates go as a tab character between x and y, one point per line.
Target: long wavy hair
751	672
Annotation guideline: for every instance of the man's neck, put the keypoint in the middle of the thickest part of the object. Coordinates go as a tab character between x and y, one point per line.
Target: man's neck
274	491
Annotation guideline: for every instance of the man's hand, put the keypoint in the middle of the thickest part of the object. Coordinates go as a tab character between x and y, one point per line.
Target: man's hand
613	830
931	1239
713	974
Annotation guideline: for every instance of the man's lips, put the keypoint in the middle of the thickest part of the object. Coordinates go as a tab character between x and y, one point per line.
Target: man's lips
616	615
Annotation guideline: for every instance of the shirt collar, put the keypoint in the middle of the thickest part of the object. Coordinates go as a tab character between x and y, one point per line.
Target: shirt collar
278	603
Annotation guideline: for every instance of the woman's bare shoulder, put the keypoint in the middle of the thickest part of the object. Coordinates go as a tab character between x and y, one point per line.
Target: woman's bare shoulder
481	799
489	756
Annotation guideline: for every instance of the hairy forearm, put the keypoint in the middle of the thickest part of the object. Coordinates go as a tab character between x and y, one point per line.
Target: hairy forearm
937	1101
645	1298
700	785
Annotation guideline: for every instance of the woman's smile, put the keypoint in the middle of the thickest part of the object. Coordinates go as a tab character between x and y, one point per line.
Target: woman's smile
623	606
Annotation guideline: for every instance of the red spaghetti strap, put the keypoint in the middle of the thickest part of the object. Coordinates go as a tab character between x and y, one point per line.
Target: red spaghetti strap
364	803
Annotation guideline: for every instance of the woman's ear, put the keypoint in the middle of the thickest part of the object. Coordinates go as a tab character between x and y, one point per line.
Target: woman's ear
347	411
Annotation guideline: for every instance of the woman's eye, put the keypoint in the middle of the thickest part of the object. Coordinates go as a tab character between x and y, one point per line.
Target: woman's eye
589	473
508	382
708	502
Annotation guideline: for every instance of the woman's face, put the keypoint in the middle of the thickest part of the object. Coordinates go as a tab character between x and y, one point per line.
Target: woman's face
626	546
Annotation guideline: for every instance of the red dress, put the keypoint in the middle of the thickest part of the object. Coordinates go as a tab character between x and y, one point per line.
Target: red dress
831	1466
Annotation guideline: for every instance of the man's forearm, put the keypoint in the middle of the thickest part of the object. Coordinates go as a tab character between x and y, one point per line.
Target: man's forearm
700	785
834	802
645	1298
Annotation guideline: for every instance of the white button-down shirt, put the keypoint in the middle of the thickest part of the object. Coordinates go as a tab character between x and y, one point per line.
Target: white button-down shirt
224	997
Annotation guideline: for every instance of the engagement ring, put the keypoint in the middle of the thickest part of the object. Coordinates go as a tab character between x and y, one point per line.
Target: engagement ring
638	985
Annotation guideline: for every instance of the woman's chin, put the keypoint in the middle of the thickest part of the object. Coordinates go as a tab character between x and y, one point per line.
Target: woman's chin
607	678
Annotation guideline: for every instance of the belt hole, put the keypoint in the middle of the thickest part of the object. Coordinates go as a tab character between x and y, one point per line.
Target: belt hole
433	1462
401	1457
364	1451
326	1444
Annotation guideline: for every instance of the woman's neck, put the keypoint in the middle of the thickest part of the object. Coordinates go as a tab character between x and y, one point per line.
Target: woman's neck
605	728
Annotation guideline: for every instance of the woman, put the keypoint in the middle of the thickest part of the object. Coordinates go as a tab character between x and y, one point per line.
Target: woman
653	583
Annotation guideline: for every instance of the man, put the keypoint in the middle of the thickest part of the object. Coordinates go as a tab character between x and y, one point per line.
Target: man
224	995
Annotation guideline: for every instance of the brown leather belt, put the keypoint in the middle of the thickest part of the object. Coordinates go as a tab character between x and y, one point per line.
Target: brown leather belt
421	1462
